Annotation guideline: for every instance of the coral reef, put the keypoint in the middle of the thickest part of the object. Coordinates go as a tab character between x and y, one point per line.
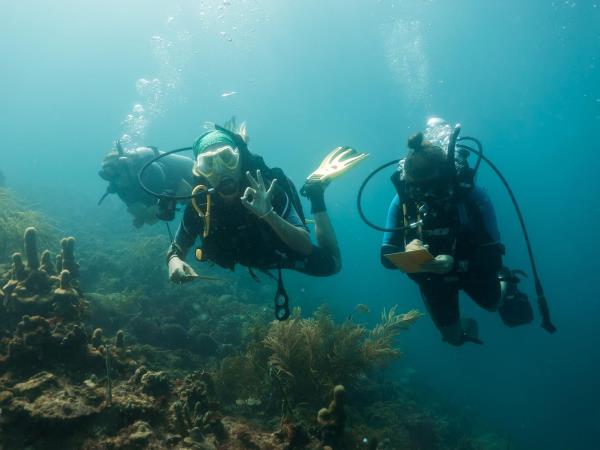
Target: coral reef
139	365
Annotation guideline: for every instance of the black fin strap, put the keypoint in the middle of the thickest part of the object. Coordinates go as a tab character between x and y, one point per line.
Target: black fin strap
282	301
253	275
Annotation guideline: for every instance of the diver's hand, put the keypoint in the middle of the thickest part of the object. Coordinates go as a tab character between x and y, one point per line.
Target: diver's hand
180	271
440	265
256	196
414	245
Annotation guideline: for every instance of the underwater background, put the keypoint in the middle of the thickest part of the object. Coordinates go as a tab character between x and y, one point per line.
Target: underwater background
523	77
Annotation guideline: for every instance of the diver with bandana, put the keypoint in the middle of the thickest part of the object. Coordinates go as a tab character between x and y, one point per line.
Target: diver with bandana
247	213
439	212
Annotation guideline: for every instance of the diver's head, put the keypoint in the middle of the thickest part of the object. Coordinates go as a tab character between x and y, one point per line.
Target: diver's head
218	161
426	169
115	169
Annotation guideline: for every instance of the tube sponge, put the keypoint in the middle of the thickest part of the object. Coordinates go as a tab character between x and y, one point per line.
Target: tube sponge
120	339
30	242
97	337
68	256
46	263
333	418
65	280
18	268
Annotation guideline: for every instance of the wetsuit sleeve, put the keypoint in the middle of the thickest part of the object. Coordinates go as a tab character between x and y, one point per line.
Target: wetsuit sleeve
488	215
190	228
393	241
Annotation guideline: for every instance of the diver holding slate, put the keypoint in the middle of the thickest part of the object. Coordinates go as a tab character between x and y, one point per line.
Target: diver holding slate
442	231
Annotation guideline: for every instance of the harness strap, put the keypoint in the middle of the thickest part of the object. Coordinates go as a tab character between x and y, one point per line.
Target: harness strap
205	215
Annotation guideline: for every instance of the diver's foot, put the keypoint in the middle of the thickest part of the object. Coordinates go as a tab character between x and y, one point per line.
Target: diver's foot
470	330
337	162
315	192
313	189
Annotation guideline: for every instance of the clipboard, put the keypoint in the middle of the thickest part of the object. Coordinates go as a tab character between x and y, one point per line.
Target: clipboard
410	262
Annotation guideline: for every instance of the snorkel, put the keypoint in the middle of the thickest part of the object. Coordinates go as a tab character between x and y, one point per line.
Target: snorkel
455	142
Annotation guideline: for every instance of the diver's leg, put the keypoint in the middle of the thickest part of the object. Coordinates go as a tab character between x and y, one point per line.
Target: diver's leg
481	282
485	291
441	301
326	238
324	232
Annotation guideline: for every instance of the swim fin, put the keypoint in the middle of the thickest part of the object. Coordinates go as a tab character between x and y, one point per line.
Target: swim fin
470	330
337	162
515	308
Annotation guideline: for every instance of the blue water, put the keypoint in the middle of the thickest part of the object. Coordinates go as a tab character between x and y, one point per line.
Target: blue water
524	77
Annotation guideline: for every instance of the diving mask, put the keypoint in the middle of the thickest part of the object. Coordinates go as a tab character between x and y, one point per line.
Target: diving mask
429	189
215	161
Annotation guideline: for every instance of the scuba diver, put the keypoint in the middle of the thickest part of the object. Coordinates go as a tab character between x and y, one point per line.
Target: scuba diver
250	214
170	175
441	230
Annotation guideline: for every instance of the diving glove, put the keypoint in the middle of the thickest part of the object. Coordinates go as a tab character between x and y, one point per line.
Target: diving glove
440	265
337	162
180	271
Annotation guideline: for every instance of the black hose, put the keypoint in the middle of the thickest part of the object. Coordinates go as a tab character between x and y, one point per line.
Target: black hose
479	154
156	194
542	303
359	198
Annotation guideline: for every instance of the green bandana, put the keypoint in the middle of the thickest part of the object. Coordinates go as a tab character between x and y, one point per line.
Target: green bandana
210	139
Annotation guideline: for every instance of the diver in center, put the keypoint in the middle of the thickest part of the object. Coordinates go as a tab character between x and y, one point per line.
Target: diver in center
442	214
247	213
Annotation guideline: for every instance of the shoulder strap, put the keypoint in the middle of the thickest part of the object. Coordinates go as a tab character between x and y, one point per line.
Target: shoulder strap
290	190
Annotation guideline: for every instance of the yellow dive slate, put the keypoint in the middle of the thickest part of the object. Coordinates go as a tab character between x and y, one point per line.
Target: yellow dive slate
410	262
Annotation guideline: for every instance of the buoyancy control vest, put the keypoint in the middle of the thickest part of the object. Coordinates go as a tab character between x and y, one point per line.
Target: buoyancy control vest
451	224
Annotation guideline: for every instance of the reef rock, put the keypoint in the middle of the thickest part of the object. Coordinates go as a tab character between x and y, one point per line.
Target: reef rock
35	385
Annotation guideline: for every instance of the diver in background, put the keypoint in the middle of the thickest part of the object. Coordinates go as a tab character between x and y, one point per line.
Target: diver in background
169	175
456	223
251	214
